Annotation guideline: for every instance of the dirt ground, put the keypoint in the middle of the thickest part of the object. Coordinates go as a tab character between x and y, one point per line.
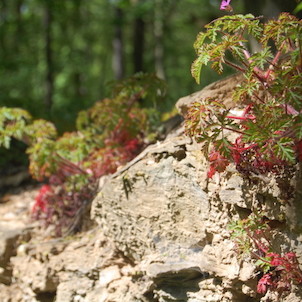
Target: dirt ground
16	205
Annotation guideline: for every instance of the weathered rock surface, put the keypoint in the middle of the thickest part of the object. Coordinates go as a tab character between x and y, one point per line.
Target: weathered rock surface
221	90
164	216
162	235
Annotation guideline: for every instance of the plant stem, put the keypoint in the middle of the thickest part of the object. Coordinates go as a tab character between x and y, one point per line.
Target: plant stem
274	62
234	66
258	98
234	130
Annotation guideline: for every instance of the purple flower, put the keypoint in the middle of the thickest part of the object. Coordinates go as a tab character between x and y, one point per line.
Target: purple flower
225	5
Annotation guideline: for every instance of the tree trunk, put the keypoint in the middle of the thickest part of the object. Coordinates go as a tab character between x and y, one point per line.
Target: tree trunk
158	36
269	8
77	74
138	44
18	35
49	81
3	31
118	47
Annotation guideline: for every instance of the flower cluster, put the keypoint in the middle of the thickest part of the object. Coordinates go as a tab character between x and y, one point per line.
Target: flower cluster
41	200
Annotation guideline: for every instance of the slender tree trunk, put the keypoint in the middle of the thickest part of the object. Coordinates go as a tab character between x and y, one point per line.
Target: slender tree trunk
269	8
77	76
158	36
118	47
3	31
254	7
19	28
138	44
49	81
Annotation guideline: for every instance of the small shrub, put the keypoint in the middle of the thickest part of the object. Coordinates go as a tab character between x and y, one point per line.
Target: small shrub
264	133
267	125
108	135
253	236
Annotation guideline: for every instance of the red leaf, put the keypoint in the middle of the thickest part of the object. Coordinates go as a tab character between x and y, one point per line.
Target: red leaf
218	163
40	200
264	283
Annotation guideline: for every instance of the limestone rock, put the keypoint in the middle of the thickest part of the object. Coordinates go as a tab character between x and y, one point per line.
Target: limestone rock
221	90
9	237
141	207
165	215
162	234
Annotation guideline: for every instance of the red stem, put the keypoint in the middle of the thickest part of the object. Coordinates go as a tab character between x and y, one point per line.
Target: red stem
244	149
241	117
230	129
258	98
69	165
274	62
234	66
248	56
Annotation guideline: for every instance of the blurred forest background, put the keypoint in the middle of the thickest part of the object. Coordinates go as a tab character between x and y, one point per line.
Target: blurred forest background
58	57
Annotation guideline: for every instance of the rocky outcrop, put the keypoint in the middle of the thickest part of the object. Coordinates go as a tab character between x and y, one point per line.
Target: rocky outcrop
165	215
162	235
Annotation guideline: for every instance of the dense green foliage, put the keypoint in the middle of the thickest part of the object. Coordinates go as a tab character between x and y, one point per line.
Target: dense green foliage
57	56
263	133
279	271
108	135
268	126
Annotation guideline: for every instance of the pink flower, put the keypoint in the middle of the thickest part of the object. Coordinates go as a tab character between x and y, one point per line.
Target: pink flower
225	5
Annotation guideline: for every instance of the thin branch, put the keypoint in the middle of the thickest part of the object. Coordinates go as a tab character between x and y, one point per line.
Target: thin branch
258	98
236	19
274	62
235	66
234	130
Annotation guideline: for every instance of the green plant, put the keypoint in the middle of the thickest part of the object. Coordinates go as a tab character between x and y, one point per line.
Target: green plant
108	135
263	134
254	236
267	125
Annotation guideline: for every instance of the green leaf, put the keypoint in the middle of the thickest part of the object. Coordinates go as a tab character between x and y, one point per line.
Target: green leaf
264	264
6	142
298	127
196	69
223	145
284	149
298	8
